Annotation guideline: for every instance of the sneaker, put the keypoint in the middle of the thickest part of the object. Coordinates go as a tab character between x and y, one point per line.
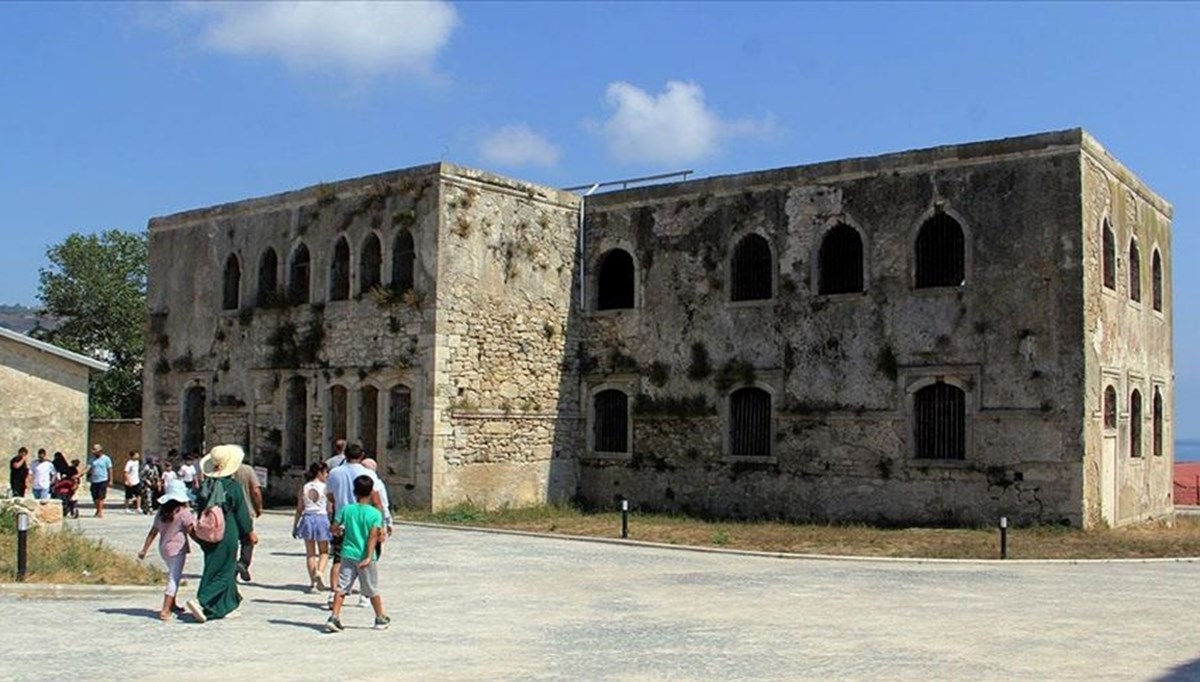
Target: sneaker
193	608
363	602
328	602
333	625
382	622
243	572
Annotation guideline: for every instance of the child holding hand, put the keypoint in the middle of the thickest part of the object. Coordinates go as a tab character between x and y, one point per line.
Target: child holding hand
173	523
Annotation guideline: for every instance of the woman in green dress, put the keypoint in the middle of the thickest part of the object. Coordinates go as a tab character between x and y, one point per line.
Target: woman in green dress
218	594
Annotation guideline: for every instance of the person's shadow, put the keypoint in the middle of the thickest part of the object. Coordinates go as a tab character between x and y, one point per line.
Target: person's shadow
316	627
1184	672
280	602
142	613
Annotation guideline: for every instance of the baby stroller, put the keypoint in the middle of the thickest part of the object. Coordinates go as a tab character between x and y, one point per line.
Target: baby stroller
64	489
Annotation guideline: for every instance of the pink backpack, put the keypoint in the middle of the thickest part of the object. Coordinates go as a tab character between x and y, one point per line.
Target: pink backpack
210	526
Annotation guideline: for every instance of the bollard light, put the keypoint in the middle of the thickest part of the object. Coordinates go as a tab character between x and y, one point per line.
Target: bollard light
22	555
624	519
23	522
1003	537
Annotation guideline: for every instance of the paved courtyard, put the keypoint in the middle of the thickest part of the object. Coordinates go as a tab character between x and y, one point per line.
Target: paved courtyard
473	606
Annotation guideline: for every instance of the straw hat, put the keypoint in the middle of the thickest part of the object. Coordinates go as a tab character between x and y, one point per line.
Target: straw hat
222	461
176	490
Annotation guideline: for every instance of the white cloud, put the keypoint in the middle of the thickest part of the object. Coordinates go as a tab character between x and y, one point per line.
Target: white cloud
363	38
517	145
674	126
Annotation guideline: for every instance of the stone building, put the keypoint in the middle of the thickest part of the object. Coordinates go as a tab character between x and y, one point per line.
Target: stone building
938	336
43	396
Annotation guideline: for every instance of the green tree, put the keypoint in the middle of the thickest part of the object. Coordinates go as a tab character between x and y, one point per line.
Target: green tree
94	294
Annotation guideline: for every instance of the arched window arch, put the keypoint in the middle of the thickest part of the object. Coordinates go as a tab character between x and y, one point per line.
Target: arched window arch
369	263
232	284
615	281
940	422
1156	280
750	422
610	421
296	422
339	405
1135	271
940	253
1135	423
840	261
268	278
339	271
399	418
1158	423
299	275
1109	256
368	420
193	419
1110	407
751	272
404	259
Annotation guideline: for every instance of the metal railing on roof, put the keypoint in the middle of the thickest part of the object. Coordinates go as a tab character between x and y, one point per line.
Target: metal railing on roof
624	184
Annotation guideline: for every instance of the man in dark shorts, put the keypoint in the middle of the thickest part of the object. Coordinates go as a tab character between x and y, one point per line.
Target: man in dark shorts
18	473
99	473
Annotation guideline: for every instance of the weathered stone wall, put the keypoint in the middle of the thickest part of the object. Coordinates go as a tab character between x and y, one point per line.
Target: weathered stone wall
117	436
505	391
1128	345
43	401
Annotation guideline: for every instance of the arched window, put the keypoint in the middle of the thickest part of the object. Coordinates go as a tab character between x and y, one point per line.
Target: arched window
941	253
368	420
840	262
750	423
750	270
1109	256
1156	277
1135	271
338	406
940	422
403	262
610	421
1158	423
299	274
1135	423
296	421
339	271
399	419
368	265
193	419
1110	407
615	281
233	283
268	278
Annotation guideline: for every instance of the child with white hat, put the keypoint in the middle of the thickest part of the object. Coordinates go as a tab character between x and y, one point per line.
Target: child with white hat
173	524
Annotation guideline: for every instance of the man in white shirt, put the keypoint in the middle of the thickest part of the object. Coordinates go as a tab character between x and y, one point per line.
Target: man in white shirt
339	454
133	483
42	472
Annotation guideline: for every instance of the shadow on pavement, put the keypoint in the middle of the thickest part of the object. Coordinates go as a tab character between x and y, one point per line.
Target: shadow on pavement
307	605
1186	672
141	613
290	587
316	627
296	554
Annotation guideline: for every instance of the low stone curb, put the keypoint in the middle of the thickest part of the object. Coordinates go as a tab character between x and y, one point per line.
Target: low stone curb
66	591
790	555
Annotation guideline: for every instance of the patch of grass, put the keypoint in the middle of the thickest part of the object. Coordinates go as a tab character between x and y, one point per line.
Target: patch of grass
69	557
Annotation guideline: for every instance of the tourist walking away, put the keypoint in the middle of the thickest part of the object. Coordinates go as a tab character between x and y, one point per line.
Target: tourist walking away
252	491
133	483
360	526
99	475
339	494
311	524
173	524
220	496
18	473
187	474
42	475
339	454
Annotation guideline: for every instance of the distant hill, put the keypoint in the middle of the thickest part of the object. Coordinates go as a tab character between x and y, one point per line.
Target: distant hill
18	318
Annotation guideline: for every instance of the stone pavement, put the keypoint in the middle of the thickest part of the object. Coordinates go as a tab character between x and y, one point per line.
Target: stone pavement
471	606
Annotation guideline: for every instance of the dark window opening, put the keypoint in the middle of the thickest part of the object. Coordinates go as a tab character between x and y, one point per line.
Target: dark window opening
751	271
1135	271
369	264
299	275
193	420
403	262
338	401
339	272
1156	276
368	419
399	416
296	416
1110	407
840	262
1109	257
615	288
941	253
1135	424
268	279
750	423
610	423
233	284
940	422
1158	423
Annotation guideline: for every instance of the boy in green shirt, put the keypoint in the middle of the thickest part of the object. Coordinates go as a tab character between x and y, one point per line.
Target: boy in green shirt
359	525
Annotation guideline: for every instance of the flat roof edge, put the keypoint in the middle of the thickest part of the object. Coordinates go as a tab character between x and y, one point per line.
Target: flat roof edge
52	349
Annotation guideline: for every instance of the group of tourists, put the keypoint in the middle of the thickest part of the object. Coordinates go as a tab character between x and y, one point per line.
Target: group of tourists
46	478
342	515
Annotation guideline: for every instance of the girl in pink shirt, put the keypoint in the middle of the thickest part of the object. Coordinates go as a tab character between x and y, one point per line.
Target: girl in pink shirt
173	524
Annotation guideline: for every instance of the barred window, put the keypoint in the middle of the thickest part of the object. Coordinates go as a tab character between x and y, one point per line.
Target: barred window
610	421
337	411
368	419
1109	256
1110	407
403	262
1135	271
1156	283
941	253
399	418
268	278
1135	423
750	269
750	423
369	264
193	419
339	271
940	422
840	262
1158	423
233	283
615	283
299	274
296	416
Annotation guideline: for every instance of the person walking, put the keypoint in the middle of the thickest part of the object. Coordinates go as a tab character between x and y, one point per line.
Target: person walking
173	523
18	473
252	491
133	483
311	524
99	475
339	493
42	475
218	595
152	486
187	474
360	526
339	454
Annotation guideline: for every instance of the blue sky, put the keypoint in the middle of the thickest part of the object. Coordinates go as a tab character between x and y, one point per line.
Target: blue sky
112	113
